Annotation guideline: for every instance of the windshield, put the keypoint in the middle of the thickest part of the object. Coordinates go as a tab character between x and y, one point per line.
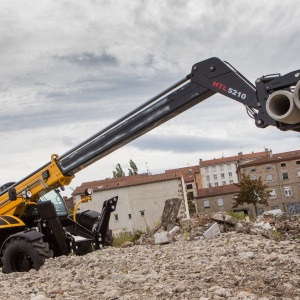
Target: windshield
58	202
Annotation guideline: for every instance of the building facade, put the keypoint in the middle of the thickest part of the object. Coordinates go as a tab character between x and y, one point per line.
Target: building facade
281	172
216	199
223	171
141	199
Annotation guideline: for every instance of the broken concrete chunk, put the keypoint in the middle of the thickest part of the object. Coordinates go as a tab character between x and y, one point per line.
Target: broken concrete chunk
223	217
170	211
161	237
175	230
212	232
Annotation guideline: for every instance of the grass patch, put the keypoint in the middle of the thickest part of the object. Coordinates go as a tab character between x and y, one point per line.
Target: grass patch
125	236
237	215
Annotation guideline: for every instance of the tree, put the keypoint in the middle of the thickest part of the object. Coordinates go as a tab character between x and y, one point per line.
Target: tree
251	192
133	168
119	171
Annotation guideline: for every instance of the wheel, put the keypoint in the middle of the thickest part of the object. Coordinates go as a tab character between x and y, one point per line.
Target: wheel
21	255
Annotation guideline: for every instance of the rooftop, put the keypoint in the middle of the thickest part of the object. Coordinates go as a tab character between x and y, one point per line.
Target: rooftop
273	158
240	156
125	181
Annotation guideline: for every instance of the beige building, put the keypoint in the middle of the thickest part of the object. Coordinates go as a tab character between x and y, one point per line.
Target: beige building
281	172
141	199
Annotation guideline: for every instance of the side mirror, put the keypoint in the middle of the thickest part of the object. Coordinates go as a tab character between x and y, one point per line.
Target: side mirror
12	194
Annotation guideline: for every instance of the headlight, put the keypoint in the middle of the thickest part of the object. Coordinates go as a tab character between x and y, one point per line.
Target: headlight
27	194
88	191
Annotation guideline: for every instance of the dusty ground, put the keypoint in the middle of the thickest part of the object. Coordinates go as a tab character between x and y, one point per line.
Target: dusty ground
231	266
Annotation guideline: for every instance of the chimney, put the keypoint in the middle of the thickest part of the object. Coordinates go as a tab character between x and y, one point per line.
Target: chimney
270	153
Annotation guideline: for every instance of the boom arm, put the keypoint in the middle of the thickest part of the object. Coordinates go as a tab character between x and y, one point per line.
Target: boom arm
206	78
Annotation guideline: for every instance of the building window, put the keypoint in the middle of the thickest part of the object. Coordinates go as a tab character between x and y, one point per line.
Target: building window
273	194
268	167
269	177
206	204
298	162
222	175
142	213
215	177
230	174
283	164
129	216
287	191
206	169
216	184
208	178
228	166
252	170
214	168
231	181
116	217
285	175
253	177
223	182
189	186
220	201
221	167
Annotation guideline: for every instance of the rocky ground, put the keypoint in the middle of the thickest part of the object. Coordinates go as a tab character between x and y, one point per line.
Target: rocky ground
230	266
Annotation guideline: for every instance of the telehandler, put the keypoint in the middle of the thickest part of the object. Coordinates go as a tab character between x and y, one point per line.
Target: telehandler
34	222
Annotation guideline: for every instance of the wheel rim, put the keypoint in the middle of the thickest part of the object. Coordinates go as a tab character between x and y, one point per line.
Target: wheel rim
21	262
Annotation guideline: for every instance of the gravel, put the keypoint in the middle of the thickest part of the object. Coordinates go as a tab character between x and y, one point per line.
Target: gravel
231	266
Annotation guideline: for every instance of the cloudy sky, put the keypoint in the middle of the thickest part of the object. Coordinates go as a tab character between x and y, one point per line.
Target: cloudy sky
70	68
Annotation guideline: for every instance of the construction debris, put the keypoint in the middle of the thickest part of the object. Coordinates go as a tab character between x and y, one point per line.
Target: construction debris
278	226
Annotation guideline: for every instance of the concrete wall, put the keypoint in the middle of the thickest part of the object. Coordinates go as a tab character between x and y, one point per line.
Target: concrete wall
149	198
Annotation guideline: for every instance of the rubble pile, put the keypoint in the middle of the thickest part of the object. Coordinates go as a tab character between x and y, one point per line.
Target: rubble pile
279	227
231	266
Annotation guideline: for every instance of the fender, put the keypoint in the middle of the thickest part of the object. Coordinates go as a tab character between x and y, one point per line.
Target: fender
30	235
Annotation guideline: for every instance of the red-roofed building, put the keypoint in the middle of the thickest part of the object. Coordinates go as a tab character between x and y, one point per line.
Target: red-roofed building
216	199
141	198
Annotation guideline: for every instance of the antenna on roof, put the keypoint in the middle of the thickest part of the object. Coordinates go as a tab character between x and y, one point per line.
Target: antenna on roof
148	172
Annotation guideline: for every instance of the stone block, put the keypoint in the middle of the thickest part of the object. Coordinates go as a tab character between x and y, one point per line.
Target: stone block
161	237
212	232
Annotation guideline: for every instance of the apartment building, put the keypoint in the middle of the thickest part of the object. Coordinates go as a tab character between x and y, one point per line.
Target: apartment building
281	172
223	171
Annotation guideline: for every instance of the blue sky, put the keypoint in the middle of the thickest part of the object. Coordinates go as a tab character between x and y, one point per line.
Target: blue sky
70	68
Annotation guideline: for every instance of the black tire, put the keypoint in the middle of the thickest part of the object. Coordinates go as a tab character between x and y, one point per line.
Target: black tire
21	255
